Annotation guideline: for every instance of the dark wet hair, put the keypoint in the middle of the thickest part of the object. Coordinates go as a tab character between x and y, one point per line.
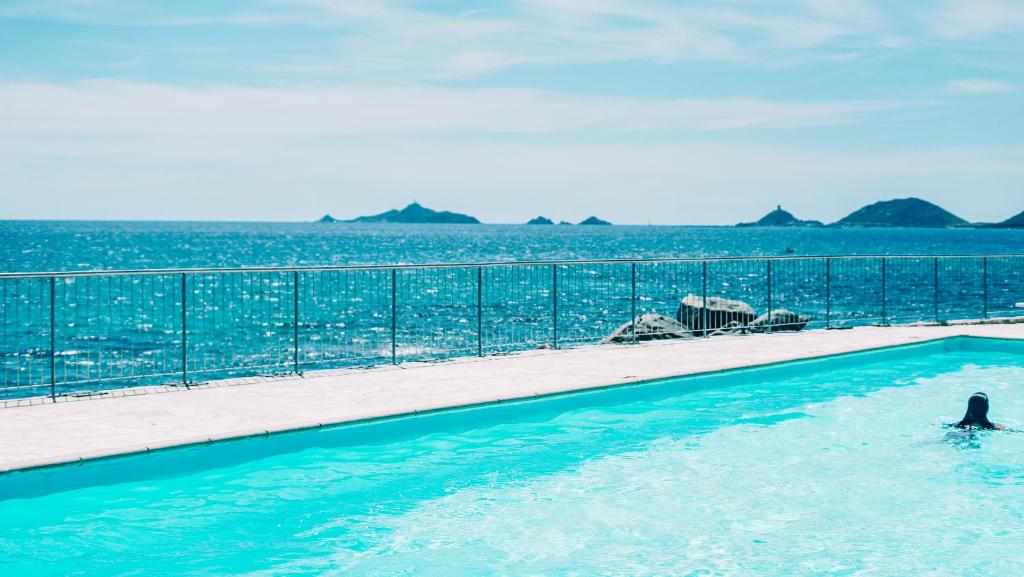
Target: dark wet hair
977	413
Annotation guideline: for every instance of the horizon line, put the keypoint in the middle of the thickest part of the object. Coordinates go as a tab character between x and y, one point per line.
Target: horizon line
968	224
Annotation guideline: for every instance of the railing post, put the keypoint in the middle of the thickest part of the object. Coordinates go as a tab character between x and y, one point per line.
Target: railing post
53	340
295	321
479	311
984	287
769	263
554	306
884	315
828	293
184	335
704	298
394	317
935	296
633	301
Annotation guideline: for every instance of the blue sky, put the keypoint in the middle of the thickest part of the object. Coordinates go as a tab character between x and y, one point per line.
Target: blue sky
663	112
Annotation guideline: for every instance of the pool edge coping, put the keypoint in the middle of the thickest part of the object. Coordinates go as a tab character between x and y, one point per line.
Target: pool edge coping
28	466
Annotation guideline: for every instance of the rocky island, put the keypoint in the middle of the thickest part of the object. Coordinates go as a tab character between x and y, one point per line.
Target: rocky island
908	212
595	221
1016	221
415	213
900	212
779	217
541	220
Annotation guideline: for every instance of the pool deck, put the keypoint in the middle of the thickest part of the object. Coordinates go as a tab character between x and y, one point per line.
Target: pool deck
63	432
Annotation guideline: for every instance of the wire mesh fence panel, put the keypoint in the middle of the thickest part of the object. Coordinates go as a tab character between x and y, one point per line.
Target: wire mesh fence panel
129	328
116	330
344	318
1005	286
239	323
81	320
910	289
593	301
661	288
436	313
855	292
798	294
516	307
961	288
25	344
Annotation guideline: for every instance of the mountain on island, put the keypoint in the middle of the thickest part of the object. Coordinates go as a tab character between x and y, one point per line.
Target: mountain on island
595	221
416	213
909	212
541	220
779	217
327	218
1012	222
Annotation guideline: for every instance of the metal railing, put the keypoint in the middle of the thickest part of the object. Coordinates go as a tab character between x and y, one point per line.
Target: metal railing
82	332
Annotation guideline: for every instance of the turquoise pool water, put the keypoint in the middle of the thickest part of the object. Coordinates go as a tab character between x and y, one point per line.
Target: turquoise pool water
831	467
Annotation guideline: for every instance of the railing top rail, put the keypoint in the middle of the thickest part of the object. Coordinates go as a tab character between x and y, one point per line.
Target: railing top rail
272	269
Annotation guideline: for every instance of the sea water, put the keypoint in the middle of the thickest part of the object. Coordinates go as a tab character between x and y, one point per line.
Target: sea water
68	246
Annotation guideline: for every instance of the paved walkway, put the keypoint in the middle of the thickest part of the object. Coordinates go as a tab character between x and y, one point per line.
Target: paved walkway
70	431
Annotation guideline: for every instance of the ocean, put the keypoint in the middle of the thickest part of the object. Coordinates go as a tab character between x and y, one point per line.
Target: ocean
79	245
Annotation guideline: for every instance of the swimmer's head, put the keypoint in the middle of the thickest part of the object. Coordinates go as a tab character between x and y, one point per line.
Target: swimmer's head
977	412
978	403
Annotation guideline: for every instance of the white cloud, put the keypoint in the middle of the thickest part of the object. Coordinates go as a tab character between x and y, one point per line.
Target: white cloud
391	38
397	39
421	44
980	86
178	176
975	18
150	151
116	108
118	150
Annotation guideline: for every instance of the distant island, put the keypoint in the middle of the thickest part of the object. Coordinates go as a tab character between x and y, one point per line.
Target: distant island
1016	221
900	212
415	213
909	212
779	217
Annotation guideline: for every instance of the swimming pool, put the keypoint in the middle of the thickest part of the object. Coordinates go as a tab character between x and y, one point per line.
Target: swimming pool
837	466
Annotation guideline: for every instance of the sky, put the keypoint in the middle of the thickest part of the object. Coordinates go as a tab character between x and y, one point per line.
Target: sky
639	112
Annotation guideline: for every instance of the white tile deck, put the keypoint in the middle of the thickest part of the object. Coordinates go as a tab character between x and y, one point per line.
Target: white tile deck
69	431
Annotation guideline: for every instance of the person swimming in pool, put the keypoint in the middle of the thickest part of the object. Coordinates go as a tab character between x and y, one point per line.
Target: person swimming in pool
977	414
